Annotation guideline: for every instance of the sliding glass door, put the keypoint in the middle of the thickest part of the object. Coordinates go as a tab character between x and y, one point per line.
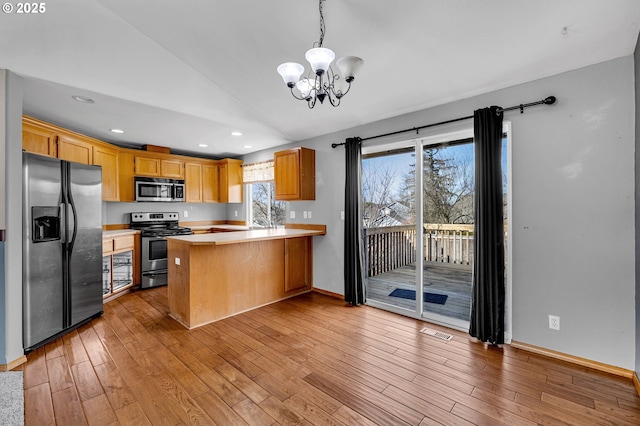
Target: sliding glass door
447	220
423	267
388	183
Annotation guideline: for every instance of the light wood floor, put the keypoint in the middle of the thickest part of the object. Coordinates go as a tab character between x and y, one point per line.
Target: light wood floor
439	278
309	360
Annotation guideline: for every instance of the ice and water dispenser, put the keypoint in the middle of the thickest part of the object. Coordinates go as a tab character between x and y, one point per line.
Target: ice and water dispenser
45	223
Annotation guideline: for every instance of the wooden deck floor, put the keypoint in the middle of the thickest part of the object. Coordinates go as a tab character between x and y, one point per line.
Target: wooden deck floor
454	281
308	360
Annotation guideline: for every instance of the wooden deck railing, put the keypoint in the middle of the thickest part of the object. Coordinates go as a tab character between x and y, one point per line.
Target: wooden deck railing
392	247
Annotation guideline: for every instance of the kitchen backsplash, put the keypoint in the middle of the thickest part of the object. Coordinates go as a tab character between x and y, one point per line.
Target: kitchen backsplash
118	213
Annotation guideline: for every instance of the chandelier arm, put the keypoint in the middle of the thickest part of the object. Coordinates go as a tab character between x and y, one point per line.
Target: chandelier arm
294	95
348	88
334	100
311	102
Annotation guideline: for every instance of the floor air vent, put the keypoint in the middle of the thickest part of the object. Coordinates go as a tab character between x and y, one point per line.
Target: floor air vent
438	334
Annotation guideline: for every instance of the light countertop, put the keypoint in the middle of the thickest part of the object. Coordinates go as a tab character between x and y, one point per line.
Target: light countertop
119	233
222	238
224	227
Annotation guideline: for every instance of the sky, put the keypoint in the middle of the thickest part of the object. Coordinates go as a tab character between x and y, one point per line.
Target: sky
402	163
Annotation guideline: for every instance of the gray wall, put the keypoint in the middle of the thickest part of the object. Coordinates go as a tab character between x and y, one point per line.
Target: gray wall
573	207
637	181
11	261
118	213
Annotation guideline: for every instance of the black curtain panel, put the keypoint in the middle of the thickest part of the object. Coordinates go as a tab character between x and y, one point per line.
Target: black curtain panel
353	272
488	292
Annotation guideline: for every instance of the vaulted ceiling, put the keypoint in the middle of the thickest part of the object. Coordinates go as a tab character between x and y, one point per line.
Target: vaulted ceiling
183	73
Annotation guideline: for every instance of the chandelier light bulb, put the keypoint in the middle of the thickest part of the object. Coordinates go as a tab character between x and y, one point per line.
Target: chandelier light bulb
290	72
305	87
349	67
320	59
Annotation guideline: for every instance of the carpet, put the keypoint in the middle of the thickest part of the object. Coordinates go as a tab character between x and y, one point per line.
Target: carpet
11	398
440	299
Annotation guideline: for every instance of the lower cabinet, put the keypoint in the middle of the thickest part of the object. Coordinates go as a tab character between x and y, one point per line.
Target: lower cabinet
117	264
297	263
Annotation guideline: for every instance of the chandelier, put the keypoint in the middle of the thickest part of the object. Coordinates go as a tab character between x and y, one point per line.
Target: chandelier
322	82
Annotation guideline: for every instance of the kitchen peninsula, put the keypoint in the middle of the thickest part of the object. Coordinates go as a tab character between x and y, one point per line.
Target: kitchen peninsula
214	276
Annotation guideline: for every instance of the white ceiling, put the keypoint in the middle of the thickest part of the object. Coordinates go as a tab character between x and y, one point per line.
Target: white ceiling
179	73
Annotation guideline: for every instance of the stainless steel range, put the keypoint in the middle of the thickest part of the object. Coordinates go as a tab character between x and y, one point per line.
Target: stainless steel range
154	227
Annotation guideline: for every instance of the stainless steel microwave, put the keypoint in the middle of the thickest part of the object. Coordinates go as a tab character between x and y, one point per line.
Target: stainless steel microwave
158	189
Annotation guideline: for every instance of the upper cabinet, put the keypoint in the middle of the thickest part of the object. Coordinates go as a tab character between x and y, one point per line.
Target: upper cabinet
75	148
148	164
193	182
295	174
38	139
230	180
172	168
107	158
46	139
210	183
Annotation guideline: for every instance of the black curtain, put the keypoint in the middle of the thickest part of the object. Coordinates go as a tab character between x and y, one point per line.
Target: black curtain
353	273
488	293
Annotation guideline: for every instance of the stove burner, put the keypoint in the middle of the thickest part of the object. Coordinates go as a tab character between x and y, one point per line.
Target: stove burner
158	224
164	232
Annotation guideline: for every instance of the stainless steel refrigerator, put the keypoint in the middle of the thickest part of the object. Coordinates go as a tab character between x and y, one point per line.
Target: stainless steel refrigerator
62	247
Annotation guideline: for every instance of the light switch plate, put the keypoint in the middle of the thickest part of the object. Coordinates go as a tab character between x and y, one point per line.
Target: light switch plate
177	259
292	214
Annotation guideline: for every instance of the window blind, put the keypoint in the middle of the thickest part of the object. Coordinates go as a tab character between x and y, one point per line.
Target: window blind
258	172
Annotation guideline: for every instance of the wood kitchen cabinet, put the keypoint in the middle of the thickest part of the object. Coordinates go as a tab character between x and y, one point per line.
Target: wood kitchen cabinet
107	158
210	183
75	148
117	264
171	168
230	180
297	263
38	139
295	174
147	165
46	139
193	182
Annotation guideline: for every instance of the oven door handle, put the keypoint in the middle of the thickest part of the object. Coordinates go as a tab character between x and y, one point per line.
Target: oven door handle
154	273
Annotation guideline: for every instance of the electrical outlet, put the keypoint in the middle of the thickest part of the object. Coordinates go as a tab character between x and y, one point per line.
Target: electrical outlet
309	214
304	214
235	213
292	214
177	260
342	215
186	213
554	322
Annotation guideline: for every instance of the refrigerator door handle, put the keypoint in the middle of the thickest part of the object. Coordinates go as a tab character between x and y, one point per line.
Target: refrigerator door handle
63	223
74	214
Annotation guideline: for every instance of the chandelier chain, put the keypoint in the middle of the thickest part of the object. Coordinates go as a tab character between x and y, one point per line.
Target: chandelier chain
322	27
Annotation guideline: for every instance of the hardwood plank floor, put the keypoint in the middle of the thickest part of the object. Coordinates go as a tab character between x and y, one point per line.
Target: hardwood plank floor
307	360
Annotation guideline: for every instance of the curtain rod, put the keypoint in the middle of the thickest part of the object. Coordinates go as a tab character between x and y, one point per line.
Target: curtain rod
550	100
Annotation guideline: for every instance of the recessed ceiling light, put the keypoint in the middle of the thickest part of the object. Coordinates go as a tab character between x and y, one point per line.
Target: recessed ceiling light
203	145
236	134
83	99
116	130
248	146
